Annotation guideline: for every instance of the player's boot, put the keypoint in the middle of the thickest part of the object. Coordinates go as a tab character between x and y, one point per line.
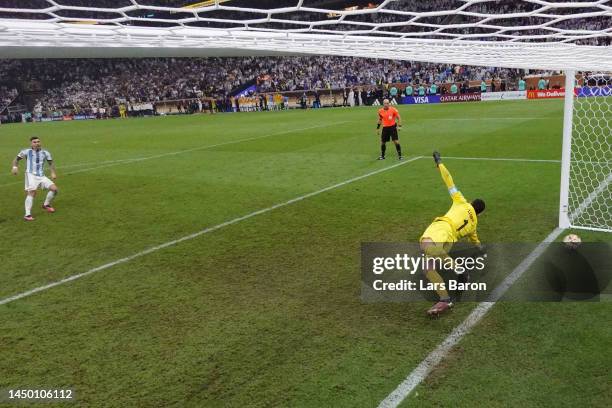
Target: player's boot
28	218
381	158
439	308
48	208
400	158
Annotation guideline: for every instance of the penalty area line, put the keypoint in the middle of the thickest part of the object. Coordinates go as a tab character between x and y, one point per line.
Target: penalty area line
502	159
199	233
434	358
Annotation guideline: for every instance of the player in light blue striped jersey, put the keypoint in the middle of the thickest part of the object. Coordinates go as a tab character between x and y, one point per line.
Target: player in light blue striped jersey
35	177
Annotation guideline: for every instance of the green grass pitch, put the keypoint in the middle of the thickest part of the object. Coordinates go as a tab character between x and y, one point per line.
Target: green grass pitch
266	311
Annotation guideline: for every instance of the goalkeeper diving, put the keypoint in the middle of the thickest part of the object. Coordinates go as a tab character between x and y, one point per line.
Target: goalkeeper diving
460	221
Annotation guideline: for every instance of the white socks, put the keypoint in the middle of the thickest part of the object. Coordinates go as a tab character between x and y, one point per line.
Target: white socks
50	196
29	201
28	205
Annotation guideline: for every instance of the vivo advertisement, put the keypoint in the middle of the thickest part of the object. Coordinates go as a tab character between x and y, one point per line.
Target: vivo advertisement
587	91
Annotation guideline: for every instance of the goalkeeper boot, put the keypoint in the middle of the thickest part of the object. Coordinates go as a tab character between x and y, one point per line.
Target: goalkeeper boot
439	308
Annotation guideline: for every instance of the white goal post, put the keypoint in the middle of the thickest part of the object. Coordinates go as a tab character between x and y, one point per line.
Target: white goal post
586	168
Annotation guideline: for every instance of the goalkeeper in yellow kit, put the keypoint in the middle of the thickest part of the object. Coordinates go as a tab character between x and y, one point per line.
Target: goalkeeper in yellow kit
460	221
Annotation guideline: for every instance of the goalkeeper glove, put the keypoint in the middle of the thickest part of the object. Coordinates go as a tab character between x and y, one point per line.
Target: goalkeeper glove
437	158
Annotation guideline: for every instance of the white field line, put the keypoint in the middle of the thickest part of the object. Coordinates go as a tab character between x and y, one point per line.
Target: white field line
197	234
434	358
502	159
486	118
111	163
71	166
525	160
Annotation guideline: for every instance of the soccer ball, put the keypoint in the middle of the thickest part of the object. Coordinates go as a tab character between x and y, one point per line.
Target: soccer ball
572	241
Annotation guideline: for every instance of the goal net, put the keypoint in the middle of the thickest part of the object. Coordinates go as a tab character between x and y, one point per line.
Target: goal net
526	34
588	174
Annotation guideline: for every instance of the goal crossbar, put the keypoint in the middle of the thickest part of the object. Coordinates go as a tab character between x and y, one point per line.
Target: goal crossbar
39	39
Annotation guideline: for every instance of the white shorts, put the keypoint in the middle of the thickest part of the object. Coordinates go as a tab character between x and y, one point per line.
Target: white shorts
33	182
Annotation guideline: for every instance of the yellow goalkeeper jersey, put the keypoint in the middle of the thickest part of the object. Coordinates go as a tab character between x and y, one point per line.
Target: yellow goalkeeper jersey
461	216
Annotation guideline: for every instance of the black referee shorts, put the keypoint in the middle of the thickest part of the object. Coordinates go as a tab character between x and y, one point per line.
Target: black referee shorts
389	133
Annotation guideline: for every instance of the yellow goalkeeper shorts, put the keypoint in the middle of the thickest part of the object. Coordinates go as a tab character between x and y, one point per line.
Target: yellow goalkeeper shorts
441	233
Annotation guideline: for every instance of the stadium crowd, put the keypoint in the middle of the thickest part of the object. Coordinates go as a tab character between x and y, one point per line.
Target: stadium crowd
7	95
107	82
94	83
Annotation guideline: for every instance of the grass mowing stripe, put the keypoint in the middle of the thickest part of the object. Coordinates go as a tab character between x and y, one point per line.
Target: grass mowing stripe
112	163
199	233
439	353
127	161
